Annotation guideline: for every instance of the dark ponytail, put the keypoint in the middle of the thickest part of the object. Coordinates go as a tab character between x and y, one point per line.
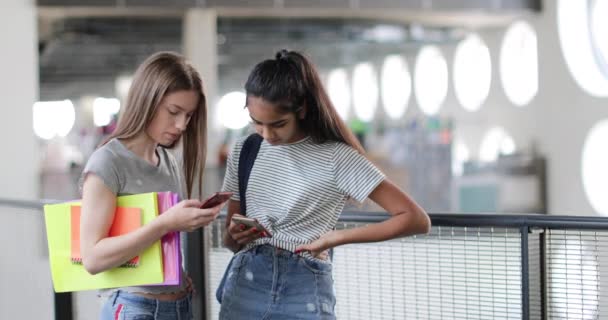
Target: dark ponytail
291	82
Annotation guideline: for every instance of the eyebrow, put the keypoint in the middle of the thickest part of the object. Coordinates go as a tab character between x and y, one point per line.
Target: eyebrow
270	124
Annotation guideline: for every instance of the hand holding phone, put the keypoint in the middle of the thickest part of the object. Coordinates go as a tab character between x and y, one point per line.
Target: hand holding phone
251	223
216	199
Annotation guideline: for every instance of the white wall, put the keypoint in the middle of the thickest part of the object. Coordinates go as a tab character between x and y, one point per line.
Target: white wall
565	114
19	90
26	291
556	121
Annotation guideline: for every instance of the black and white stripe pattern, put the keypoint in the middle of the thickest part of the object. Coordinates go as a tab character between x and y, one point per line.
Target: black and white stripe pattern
298	190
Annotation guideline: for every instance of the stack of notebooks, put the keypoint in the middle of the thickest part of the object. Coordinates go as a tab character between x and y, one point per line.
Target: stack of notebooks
159	264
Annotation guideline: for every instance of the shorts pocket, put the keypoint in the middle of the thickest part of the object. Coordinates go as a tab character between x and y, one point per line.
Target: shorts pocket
132	312
317	266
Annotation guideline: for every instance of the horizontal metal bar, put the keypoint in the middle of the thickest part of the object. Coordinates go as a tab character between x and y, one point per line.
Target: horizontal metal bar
26	204
493	220
437	219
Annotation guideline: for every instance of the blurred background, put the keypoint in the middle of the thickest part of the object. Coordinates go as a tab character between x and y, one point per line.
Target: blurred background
470	106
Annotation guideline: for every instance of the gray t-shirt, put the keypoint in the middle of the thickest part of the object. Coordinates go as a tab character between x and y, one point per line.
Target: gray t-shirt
125	173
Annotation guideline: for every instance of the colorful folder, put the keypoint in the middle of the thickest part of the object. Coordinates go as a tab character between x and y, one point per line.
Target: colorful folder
68	276
125	221
171	243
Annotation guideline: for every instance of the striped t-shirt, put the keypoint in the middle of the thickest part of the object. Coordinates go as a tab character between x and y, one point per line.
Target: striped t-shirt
298	190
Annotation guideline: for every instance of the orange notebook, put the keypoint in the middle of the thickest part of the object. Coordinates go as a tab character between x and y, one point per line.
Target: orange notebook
125	221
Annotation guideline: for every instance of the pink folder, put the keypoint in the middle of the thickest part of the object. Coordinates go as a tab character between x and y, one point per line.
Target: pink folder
170	243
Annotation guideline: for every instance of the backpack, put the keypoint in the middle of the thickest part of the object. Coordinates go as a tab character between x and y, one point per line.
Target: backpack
249	152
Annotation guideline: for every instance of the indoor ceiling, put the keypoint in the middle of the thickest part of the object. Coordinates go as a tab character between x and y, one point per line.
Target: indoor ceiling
83	50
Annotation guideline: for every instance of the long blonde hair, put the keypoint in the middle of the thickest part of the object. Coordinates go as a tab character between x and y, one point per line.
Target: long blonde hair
160	74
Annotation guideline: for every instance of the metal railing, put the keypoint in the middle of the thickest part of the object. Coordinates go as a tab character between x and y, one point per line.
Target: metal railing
62	301
470	266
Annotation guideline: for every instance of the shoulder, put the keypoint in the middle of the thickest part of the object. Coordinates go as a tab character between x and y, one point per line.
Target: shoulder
324	151
106	162
238	146
341	148
106	154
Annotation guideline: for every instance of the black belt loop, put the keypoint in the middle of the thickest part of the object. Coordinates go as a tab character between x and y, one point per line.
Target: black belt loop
114	297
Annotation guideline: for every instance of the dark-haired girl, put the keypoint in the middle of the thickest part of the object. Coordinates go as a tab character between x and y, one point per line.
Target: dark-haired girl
308	165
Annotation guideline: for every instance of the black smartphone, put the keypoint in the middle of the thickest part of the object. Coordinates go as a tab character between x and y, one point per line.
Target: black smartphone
216	199
251	223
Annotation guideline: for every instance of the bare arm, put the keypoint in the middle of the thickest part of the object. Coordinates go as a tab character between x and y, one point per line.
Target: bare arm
407	218
100	252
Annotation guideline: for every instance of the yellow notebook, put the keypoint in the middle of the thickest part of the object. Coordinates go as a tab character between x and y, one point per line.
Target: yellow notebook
68	276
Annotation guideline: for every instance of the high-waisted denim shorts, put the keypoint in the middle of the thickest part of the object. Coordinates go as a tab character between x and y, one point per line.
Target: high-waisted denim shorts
122	305
271	283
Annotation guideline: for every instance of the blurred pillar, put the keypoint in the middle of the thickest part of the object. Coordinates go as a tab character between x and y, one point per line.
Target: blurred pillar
200	47
19	91
26	291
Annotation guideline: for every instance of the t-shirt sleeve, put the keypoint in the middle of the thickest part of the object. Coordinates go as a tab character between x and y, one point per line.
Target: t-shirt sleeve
354	174
231	177
102	163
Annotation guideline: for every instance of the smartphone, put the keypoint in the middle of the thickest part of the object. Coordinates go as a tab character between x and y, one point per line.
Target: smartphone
216	199
251	223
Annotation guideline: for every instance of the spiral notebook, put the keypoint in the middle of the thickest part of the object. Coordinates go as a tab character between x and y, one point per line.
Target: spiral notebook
125	221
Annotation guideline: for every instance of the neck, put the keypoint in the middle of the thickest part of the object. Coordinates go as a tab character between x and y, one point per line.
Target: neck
297	137
143	147
300	134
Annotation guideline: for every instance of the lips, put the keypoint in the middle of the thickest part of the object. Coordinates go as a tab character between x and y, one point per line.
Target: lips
173	136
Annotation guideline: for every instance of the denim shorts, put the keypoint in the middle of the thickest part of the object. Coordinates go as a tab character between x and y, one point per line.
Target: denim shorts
270	283
122	305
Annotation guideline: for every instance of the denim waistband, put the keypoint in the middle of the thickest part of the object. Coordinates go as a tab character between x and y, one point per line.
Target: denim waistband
144	301
269	250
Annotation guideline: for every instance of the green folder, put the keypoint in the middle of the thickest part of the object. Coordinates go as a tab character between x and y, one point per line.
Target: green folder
68	276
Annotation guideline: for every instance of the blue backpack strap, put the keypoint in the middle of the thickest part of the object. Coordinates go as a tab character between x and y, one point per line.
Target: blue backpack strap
249	153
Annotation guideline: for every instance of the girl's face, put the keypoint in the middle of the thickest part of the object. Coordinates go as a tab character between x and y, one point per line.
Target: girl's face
273	125
172	117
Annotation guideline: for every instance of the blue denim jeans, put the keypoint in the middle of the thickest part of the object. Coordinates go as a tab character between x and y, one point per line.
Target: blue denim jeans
122	305
270	283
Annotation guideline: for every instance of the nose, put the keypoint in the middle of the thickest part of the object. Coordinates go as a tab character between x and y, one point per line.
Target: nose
266	133
181	123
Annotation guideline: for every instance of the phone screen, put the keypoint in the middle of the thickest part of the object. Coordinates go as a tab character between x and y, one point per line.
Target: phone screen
251	223
216	199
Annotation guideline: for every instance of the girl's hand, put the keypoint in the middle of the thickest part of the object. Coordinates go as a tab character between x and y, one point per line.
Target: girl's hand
242	234
319	247
188	216
190	286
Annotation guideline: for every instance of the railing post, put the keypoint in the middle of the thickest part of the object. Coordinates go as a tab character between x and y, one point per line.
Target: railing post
543	274
525	276
63	306
196	270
